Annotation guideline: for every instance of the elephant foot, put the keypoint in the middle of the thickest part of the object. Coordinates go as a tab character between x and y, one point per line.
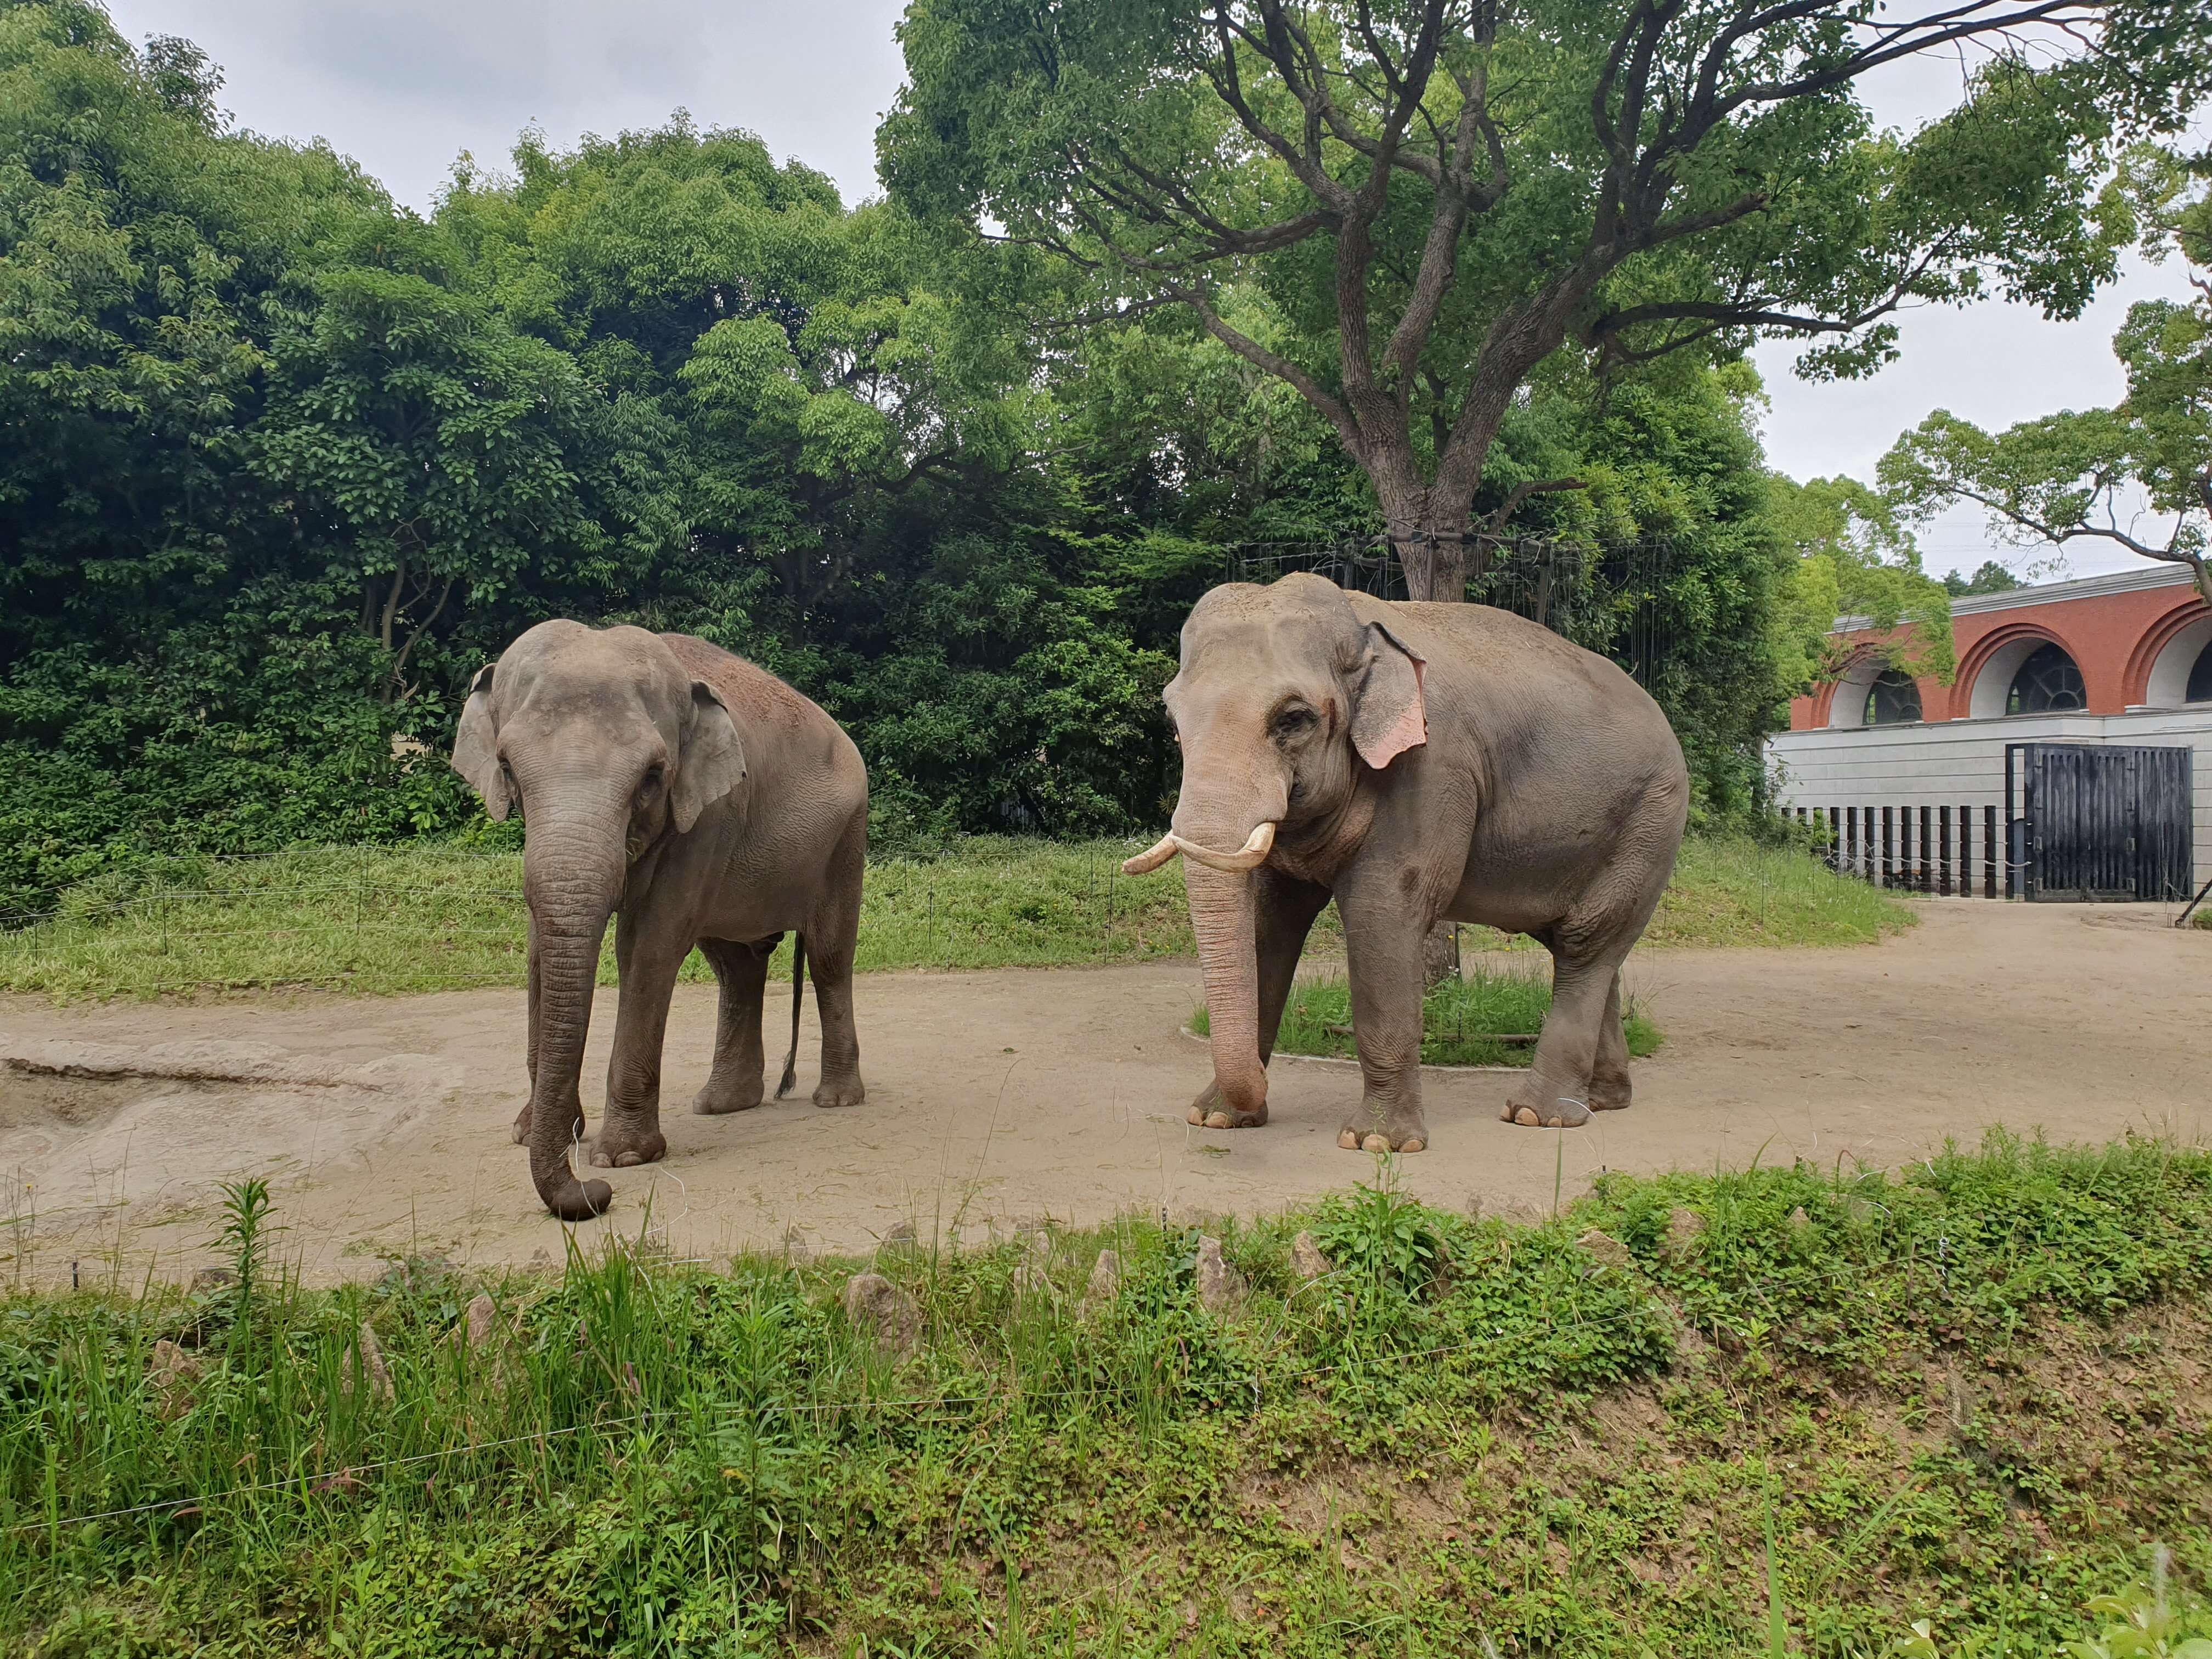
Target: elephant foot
841	1092
521	1130
1392	1132
1210	1111
719	1099
1608	1094
611	1151
1558	1113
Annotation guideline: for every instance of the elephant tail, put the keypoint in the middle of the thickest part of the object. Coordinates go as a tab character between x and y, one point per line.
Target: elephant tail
798	997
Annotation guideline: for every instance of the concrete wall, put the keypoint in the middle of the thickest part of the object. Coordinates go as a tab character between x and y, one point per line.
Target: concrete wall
1961	762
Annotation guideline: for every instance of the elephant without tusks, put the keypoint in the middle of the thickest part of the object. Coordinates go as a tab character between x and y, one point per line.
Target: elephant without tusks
707	803
1419	762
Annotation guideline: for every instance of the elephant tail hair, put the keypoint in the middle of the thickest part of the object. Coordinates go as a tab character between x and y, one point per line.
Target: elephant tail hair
797	996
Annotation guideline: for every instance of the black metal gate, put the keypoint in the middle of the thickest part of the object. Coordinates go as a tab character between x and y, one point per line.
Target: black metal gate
2087	822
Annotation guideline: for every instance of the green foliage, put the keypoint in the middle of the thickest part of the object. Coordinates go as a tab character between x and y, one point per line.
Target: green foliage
1924	1397
1461	1019
1990	578
1856	559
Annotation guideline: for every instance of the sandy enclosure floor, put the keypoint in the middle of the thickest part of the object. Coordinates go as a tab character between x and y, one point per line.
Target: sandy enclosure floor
382	1124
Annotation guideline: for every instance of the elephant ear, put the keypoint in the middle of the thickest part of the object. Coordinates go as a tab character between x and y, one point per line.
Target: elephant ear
713	760
1388	714
475	748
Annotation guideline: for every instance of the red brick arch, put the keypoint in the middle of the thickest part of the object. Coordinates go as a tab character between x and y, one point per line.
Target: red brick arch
1824	694
1979	654
2154	639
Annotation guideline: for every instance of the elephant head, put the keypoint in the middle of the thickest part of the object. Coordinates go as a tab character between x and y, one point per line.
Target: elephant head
607	744
1284	702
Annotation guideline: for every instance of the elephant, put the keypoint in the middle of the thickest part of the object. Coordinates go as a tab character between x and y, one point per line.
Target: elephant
1419	763
707	803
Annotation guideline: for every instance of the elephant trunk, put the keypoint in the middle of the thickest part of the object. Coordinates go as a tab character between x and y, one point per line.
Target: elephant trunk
572	873
1219	884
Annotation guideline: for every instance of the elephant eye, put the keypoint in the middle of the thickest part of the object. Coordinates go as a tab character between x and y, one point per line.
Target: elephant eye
1294	722
651	781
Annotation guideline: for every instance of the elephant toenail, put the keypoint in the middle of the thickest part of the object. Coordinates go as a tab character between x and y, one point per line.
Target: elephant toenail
1413	1145
1526	1119
1375	1144
1218	1121
1349	1140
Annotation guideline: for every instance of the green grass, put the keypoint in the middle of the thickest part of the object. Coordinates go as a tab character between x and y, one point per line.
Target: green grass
1460	1020
1833	1404
438	916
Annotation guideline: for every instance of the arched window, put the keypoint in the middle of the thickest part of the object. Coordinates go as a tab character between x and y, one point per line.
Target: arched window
2200	678
2048	682
1894	699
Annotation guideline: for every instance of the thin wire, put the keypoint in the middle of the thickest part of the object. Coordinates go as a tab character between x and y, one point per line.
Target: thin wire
1276	1378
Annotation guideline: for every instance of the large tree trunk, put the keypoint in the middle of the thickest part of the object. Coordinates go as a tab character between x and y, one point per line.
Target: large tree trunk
1430	527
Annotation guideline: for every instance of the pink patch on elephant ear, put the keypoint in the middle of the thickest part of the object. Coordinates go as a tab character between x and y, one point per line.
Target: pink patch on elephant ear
1392	714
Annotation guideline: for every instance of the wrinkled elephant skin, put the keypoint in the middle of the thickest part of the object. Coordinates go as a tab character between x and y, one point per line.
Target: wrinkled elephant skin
1418	763
704	803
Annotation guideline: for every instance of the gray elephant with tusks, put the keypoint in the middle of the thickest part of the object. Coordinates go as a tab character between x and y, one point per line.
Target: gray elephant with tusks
708	804
1419	764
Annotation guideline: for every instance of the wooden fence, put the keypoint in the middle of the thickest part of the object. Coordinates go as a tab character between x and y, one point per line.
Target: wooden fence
1942	850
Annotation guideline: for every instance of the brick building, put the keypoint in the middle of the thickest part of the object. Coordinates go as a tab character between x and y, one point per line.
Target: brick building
2121	661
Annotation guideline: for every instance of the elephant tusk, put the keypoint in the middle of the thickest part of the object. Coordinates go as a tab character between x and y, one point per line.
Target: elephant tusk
1250	856
1151	857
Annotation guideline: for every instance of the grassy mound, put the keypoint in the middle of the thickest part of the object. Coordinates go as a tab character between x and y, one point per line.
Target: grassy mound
1785	1410
1485	1019
434	916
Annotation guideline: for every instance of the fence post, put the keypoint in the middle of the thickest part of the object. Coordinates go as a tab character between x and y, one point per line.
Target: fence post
1989	852
1943	851
1888	846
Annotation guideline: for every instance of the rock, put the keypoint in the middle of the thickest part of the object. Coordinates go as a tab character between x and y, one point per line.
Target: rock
901	1237
171	1372
1105	1286
482	1318
882	1311
1799	1221
1684	1229
1306	1256
795	1250
372	1367
213	1278
1220	1287
1606	1248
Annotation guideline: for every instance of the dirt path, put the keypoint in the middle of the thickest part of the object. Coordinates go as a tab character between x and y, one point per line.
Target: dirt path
382	1123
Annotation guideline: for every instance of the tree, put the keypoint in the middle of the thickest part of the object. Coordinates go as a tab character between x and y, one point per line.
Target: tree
1990	578
2074	476
1856	560
1431	197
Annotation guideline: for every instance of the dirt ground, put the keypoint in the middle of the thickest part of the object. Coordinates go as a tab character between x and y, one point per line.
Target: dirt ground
993	1097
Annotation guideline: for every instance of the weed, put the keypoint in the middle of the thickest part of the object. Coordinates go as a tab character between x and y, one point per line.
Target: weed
1949	1395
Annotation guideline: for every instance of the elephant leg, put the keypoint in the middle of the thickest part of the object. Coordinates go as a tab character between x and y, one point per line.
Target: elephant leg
1609	1086
1382	936
830	944
649	955
1283	913
1556	1093
734	1084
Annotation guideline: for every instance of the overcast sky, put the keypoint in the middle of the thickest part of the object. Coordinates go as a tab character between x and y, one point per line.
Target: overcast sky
406	86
